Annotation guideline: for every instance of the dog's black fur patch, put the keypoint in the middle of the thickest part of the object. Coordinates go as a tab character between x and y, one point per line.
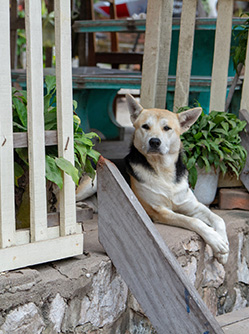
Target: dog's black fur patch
180	168
138	158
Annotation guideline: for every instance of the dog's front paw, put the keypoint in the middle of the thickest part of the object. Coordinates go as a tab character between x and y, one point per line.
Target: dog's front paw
219	245
222	258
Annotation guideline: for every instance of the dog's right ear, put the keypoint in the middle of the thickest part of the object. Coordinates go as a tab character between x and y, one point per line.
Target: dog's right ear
134	107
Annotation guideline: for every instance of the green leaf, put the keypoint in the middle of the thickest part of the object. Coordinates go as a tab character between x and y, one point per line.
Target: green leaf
68	168
18	172
198	135
23	154
89	169
21	110
192	177
50	81
53	172
94	155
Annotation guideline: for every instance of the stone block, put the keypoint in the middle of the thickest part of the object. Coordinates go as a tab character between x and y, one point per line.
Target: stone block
233	199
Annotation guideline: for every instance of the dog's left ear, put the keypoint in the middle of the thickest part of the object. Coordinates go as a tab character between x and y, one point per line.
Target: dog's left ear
134	107
188	117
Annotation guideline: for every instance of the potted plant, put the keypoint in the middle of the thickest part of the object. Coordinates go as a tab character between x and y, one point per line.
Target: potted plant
213	144
84	154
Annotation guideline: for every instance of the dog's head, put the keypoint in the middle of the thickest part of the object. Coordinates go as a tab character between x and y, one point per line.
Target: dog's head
158	131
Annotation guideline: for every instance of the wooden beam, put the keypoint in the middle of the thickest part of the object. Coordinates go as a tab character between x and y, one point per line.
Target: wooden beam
143	260
7	204
221	55
185	53
65	112
35	111
156	53
21	138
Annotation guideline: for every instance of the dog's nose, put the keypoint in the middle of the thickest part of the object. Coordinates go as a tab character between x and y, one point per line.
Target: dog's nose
155	142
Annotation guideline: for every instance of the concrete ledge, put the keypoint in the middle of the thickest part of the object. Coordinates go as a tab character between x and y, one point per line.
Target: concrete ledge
85	294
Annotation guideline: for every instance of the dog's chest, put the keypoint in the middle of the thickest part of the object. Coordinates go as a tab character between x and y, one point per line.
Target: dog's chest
161	190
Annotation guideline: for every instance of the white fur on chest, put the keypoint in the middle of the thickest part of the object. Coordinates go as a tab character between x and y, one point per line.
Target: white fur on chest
161	190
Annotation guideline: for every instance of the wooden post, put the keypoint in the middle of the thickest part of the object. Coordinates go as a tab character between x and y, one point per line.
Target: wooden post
7	206
244	104
185	53
13	33
35	108
221	55
156	53
144	261
65	111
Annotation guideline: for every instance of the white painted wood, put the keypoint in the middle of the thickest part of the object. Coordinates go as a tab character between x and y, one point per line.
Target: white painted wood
7	207
65	111
141	257
22	237
40	252
185	53
244	104
156	53
221	55
35	106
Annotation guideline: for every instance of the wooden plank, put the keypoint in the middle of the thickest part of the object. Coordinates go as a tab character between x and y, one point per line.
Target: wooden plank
65	111
235	322
35	109
13	34
244	116
81	215
185	53
156	53
244	104
7	206
129	25
41	252
21	139
109	25
233	317
143	260
221	55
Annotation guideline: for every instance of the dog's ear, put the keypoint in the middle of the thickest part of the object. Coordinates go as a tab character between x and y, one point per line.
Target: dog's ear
134	107
188	117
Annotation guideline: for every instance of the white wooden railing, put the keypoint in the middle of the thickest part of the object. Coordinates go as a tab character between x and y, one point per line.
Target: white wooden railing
40	243
157	51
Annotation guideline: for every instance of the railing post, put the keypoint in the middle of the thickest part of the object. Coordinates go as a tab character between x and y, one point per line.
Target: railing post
65	111
35	108
7	206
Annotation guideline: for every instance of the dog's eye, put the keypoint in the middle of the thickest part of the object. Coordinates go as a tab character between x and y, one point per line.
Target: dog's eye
166	128
145	126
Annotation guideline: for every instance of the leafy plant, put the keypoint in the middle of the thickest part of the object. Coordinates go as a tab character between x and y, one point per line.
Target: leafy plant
213	140
84	154
238	52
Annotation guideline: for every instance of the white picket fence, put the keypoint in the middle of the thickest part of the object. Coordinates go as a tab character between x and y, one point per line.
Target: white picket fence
40	243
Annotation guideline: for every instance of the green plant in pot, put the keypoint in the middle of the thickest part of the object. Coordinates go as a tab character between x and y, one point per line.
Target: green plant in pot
213	142
85	157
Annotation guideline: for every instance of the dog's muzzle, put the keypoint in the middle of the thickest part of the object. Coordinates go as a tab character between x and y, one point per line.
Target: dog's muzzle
154	144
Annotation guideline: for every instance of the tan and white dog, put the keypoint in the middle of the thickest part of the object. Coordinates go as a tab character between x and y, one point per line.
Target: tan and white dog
159	178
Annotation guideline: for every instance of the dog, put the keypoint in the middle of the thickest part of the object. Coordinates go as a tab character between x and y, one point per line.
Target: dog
159	178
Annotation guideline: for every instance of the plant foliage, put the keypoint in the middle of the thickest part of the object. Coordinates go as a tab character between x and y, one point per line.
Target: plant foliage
214	140
84	154
238	52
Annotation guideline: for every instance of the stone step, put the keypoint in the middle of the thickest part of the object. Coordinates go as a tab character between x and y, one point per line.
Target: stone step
235	322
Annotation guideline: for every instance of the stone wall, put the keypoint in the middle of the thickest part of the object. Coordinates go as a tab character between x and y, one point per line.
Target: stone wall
85	294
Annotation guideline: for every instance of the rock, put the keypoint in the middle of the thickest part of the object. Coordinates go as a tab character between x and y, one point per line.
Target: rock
107	299
25	319
57	311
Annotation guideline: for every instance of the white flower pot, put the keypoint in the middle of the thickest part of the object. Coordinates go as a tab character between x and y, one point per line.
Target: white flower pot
206	185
